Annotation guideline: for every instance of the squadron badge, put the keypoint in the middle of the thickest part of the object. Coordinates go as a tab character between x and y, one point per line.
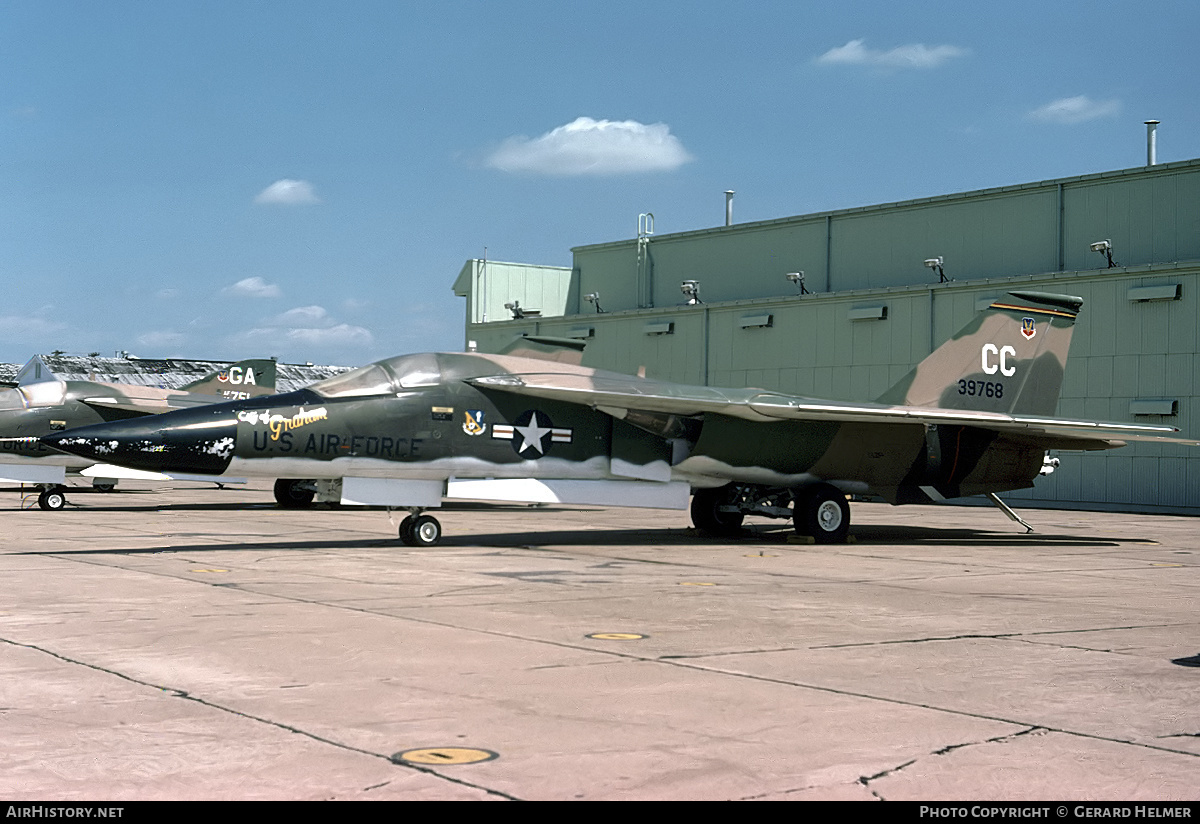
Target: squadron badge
474	425
1027	328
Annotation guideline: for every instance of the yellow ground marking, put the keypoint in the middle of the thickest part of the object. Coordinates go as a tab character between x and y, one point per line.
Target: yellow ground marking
617	636
210	570
445	755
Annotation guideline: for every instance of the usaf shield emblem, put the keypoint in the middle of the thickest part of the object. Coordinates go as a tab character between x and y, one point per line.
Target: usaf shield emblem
1027	328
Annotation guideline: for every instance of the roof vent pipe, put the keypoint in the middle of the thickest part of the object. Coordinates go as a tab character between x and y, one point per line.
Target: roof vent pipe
729	207
1151	142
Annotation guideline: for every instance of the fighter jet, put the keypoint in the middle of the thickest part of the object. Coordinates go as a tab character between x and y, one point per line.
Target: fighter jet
40	407
973	418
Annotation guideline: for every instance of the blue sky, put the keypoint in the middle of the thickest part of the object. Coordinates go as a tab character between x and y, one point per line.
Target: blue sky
305	179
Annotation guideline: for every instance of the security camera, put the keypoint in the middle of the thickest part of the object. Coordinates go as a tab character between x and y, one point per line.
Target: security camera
797	279
1104	247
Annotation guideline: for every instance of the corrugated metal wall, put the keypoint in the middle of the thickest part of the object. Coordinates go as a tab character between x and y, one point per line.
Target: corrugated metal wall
1151	214
488	285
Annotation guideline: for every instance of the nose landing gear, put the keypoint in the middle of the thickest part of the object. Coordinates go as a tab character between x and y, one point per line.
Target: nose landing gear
420	530
52	499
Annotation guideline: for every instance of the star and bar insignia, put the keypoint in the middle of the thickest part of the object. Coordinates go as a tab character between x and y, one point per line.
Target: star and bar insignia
532	433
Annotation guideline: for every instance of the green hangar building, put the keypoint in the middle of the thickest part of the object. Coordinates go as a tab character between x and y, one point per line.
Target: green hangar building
842	304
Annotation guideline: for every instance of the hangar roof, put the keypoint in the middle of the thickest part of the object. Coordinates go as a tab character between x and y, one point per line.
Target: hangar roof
1139	171
168	373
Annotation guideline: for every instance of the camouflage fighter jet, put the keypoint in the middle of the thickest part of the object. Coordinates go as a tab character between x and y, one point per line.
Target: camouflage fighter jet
533	425
40	407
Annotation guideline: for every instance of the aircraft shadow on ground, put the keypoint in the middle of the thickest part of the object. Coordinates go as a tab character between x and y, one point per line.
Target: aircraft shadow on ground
231	506
255	546
932	536
865	536
899	536
875	535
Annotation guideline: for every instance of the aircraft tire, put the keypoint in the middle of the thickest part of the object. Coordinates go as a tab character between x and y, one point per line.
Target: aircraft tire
52	500
426	531
290	495
104	487
406	527
706	516
822	512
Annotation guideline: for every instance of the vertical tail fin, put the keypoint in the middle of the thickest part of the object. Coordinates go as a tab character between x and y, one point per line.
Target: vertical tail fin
1009	359
245	379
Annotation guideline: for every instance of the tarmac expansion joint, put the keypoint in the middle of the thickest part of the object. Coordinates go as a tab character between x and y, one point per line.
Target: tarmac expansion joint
1000	739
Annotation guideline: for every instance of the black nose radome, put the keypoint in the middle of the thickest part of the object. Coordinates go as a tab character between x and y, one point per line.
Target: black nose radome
189	441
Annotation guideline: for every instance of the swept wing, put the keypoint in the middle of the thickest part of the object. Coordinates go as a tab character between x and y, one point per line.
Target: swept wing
619	395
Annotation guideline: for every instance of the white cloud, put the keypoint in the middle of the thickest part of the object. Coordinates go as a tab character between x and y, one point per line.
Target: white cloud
28	326
909	56
343	334
593	147
1072	110
162	339
254	287
276	337
288	193
301	330
299	315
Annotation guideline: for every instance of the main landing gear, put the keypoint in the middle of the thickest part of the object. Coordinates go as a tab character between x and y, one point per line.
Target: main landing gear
420	530
294	494
822	512
818	510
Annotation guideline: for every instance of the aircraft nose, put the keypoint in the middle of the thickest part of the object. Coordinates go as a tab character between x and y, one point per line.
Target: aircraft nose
201	447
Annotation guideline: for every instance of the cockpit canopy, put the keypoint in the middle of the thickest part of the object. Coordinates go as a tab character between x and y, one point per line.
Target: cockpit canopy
385	377
44	393
11	399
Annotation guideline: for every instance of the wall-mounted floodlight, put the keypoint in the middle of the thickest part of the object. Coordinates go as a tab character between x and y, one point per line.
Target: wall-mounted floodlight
691	288
797	279
1104	247
515	308
936	265
594	299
